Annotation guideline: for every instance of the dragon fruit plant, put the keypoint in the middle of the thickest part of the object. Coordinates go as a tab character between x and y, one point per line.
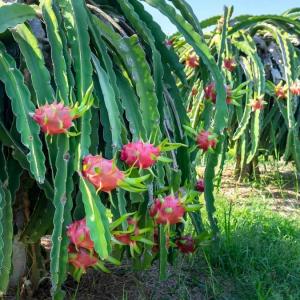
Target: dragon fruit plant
132	110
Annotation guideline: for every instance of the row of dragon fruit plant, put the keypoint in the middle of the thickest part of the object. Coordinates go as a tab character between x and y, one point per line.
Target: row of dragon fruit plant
96	144
259	57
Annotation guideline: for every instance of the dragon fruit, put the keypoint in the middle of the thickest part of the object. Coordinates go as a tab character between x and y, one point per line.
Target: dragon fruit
257	104
192	61
140	154
126	238
54	118
295	88
200	185
229	64
281	91
102	173
81	258
167	211
205	140
79	235
211	94
186	244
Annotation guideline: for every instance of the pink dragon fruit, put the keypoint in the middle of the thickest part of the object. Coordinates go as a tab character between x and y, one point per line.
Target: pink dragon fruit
257	104
200	185
281	91
167	211
211	94
192	61
126	238
229	64
102	173
79	235
54	118
295	88
140	154
186	244
205	140
81	258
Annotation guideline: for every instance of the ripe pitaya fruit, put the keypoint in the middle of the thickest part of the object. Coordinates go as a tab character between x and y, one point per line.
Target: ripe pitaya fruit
211	94
205	140
126	238
81	258
102	173
167	211
140	154
192	61
295	88
200	185
257	104
79	235
229	64
281	91
54	118
186	244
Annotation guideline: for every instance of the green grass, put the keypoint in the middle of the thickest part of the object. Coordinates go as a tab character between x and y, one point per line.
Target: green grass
258	255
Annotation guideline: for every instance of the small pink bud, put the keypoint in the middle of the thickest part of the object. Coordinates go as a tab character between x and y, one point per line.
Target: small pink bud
229	64
257	104
192	61
295	88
